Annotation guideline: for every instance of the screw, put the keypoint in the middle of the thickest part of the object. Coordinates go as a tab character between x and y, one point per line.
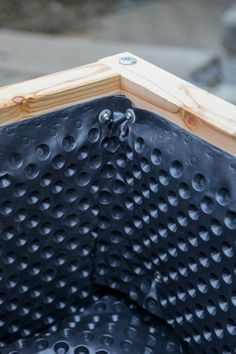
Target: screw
127	60
130	115
105	116
158	277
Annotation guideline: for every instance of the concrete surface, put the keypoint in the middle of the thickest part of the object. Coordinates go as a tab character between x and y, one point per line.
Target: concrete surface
229	30
226	91
25	55
185	23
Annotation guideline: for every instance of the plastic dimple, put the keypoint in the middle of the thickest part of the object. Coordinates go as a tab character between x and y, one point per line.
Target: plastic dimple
107	325
45	221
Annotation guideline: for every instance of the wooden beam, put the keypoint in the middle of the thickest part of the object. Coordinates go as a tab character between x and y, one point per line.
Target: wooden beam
148	86
188	106
51	92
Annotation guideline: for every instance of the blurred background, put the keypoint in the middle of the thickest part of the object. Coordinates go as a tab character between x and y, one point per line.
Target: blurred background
194	39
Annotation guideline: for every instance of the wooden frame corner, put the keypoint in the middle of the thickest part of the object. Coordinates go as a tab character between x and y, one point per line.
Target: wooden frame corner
148	86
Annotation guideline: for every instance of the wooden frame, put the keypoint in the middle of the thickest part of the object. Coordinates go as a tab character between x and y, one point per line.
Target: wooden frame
148	86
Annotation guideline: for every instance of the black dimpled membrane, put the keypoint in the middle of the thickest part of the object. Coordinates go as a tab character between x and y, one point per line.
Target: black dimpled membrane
146	209
48	217
106	326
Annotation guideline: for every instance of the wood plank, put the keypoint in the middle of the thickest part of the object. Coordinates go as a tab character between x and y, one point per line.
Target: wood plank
194	109
148	86
47	93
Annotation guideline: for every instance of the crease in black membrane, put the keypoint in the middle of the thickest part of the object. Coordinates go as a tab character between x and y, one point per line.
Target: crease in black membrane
146	209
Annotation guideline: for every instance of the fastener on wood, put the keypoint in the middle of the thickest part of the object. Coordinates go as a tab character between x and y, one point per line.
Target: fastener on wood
127	60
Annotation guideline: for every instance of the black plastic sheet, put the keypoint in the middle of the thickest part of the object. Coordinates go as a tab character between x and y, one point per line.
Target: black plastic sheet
143	208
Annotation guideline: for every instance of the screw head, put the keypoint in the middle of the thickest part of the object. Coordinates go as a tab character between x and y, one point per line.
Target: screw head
127	60
130	115
105	116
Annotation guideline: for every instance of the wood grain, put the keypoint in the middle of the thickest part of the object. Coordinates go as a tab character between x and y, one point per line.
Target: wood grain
51	92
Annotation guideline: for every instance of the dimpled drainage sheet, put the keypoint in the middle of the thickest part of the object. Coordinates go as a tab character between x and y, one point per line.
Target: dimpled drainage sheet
106	326
143	208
